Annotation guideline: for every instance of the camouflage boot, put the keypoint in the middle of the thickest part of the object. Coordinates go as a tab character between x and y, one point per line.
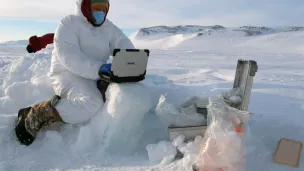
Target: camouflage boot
32	119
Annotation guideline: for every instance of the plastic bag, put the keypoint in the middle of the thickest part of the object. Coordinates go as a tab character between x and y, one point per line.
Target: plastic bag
223	147
184	115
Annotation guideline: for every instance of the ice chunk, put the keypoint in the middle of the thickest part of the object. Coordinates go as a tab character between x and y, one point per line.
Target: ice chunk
178	141
171	115
232	92
196	101
122	116
167	160
198	140
189	110
235	99
190	102
162	150
192	147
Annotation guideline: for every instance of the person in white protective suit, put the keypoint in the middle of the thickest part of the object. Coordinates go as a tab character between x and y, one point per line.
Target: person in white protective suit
83	43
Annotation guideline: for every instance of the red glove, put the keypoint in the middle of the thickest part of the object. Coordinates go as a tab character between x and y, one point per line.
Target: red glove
38	43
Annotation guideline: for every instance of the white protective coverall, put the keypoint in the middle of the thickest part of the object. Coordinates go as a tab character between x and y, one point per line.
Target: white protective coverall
79	51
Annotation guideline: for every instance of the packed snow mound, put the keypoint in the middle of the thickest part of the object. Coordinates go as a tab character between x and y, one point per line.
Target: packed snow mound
122	117
15	43
117	136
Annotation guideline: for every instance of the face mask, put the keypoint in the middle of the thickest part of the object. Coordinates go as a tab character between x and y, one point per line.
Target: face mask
99	17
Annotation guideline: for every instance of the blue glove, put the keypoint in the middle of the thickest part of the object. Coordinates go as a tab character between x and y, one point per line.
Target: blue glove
105	69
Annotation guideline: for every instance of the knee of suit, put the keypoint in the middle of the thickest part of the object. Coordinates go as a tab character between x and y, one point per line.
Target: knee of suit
80	110
94	104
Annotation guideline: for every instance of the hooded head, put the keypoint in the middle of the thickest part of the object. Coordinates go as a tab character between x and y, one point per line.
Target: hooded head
95	11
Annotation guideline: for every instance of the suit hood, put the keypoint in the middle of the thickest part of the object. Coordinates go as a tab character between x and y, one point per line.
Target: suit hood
82	8
77	10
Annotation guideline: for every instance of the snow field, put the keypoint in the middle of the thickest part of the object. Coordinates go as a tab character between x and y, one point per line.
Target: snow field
128	135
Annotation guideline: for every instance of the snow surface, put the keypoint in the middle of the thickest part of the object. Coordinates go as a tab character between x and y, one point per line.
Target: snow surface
181	66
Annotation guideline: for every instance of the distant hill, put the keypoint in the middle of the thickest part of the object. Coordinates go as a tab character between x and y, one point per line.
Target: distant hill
229	39
15	43
161	31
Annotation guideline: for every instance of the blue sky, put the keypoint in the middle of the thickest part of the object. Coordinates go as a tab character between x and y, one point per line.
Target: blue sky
12	29
22	29
21	19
